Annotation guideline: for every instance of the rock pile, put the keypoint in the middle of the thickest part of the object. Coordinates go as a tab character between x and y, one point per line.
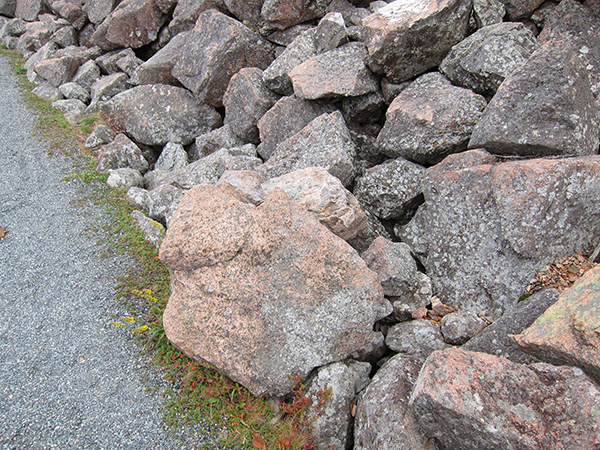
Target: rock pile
351	190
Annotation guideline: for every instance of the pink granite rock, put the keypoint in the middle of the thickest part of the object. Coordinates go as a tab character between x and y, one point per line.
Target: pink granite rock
264	292
569	331
476	401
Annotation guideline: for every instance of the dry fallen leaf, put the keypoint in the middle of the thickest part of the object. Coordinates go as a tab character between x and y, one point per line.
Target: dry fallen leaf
257	441
3	232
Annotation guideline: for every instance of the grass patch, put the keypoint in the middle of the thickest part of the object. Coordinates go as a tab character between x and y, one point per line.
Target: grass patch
198	394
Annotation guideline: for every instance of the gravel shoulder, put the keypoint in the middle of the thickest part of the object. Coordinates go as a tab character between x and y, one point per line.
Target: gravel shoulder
68	378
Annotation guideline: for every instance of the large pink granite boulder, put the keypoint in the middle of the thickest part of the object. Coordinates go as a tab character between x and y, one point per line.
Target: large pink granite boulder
264	293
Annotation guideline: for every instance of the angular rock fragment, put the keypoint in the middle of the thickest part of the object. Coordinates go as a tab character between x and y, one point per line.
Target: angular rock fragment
488	12
100	136
335	386
216	48
125	177
207	143
544	108
391	190
384	420
153	231
29	10
417	297
87	74
365	238
288	116
245	10
482	61
429	120
235	266
121	153
323	194
282	14
74	90
48	92
246	100
458	327
57	71
568	332
475	401
415	337
365	109
98	10
394	265
324	142
157	70
341	72
134	23
405	39
330	33
574	24
477	233
73	109
7	7
162	202
247	182
172	157
169	114
107	87
495	338
186	13
520	9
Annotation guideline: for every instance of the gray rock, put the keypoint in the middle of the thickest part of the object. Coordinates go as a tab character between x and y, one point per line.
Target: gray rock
65	37
45	52
29	10
394	265
365	238
124	178
323	194
100	136
281	14
157	70
544	108
352	14
288	116
98	10
286	36
171	114
332	392
121	153
48	92
153	231
57	71
482	61
475	401
133	23
429	120
107	87
138	197
488	12
330	33
391	190
216	48
418	296
341	72
415	337
246	100
129	64
495	338
108	61
477	233
373	351
186	13
405	39
383	419
73	109
207	143
459	327
7	8
172	157
573	23
391	90
74	90
15	27
163	201
245	10
325	142
247	182
366	108
87	74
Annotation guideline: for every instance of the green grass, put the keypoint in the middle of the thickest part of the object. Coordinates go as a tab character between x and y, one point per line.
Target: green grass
198	392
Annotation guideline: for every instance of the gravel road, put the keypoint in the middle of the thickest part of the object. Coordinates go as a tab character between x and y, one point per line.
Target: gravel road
68	378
